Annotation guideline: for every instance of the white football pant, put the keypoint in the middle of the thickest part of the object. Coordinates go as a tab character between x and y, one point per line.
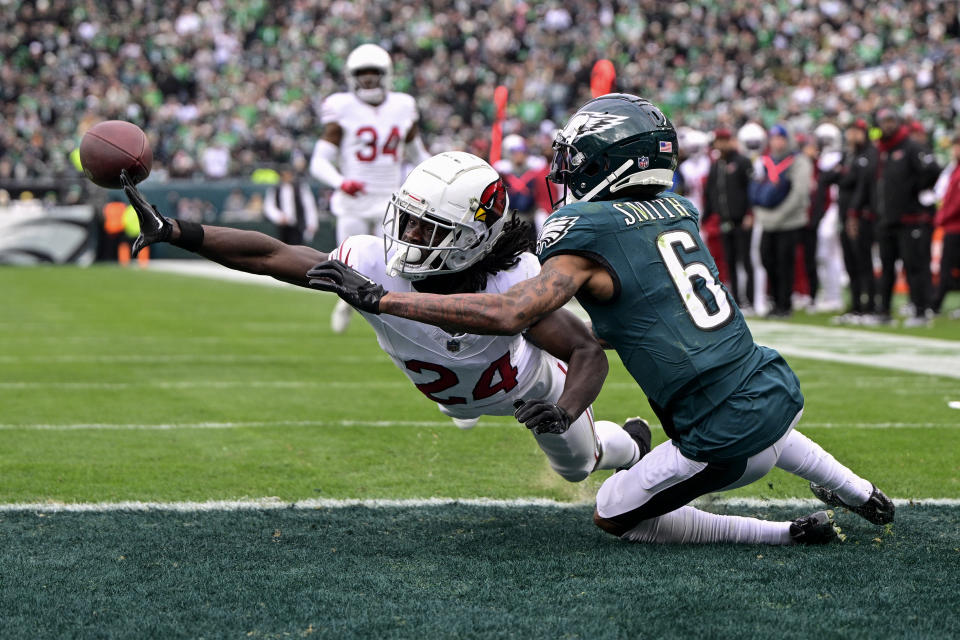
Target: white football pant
657	489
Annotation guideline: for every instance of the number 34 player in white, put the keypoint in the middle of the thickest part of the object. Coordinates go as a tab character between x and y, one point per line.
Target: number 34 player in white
449	230
366	133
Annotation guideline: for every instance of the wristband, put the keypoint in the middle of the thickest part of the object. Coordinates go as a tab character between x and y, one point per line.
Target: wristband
191	235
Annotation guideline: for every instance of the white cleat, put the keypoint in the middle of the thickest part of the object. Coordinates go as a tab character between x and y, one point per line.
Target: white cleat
465	423
340	320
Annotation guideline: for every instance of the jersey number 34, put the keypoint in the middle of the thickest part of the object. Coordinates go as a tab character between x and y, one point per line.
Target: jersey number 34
367	136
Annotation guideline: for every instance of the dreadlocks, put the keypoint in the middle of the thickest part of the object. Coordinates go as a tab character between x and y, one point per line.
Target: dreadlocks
505	254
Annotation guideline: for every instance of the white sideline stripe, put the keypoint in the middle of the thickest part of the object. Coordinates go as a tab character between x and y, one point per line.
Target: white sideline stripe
263	504
187	358
208	384
170	426
235	425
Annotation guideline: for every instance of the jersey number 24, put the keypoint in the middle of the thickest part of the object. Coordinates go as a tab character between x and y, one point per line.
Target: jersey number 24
448	379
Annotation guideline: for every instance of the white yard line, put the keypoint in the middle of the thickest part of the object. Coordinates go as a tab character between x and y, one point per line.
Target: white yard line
429	424
851	346
207	269
273	503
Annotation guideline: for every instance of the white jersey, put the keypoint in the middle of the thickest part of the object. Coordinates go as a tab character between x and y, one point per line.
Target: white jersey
371	148
694	170
466	375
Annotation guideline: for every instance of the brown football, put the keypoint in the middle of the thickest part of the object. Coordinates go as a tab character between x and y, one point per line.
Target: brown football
111	146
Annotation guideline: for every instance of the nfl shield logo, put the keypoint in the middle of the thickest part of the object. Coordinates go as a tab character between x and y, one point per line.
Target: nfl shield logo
453	345
643	162
666	146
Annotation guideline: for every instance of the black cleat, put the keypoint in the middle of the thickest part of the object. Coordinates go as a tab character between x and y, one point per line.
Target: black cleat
817	528
639	430
878	509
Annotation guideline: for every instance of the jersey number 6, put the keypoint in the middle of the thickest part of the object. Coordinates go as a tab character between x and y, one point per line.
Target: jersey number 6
484	388
685	274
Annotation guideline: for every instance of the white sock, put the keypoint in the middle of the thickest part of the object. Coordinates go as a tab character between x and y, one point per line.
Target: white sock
617	447
803	457
689	525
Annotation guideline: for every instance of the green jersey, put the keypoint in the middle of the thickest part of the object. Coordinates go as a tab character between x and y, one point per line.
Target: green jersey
674	325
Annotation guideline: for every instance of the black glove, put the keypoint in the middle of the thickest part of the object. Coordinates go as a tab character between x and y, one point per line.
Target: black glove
153	226
541	416
353	287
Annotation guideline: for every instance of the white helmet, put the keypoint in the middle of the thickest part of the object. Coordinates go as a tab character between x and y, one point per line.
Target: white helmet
462	201
369	56
828	137
692	141
752	137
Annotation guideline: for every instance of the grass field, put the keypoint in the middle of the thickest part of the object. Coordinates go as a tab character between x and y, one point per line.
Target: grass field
123	385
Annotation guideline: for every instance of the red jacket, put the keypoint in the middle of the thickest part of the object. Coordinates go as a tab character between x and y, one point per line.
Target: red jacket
948	216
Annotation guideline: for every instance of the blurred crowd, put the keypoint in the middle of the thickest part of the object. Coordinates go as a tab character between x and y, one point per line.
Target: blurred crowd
226	86
796	220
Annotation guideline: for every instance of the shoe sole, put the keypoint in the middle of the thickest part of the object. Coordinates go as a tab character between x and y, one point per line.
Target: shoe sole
830	498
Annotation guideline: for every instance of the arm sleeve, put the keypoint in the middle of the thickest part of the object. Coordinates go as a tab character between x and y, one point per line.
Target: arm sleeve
859	174
926	167
321	163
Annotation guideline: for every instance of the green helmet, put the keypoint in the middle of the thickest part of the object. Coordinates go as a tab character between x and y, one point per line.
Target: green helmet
615	143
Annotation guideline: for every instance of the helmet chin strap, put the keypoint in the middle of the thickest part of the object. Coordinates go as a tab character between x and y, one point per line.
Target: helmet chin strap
603	184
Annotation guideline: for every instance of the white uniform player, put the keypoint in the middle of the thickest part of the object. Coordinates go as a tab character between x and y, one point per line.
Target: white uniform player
832	272
467	375
366	133
695	166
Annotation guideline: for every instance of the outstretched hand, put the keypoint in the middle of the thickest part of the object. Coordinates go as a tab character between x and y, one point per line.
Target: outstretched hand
153	226
353	287
541	416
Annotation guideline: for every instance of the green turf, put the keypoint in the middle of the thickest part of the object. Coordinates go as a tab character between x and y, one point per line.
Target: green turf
462	572
93	360
943	327
119	347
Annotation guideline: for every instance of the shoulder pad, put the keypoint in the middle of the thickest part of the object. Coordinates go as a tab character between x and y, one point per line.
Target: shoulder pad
557	229
334	106
363	253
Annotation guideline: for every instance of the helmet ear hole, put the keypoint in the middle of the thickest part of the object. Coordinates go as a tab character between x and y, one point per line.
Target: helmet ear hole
593	168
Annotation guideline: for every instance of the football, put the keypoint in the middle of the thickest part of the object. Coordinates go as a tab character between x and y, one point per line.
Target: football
112	146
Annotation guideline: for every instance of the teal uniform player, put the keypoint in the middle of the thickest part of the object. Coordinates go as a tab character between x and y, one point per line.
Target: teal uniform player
631	252
677	330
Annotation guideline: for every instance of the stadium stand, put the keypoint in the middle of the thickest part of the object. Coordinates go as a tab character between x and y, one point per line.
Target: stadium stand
248	75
